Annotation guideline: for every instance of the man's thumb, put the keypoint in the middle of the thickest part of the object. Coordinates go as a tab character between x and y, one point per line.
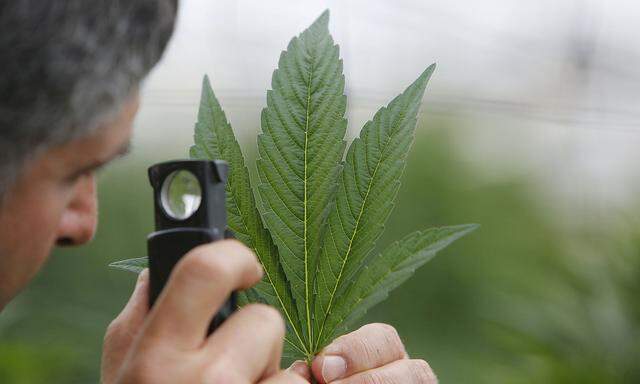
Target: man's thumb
124	327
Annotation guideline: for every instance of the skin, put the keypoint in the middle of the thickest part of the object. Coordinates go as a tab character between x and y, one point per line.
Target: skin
54	200
54	203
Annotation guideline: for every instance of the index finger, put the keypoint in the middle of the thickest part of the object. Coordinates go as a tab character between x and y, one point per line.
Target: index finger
372	346
246	347
197	287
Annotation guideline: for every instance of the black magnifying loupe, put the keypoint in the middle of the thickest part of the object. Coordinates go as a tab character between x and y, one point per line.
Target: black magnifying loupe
189	203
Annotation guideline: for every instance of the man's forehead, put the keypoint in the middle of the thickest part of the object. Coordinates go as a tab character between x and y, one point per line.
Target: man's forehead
108	141
115	136
105	144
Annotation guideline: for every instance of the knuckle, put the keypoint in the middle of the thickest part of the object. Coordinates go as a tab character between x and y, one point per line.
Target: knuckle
115	330
359	352
387	329
231	246
202	263
372	344
421	372
391	338
268	317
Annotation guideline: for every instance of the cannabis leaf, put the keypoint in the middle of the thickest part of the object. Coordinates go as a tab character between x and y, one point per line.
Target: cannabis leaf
214	139
319	216
132	265
300	150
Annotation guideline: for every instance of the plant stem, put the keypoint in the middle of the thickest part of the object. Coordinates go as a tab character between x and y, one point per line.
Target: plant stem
309	361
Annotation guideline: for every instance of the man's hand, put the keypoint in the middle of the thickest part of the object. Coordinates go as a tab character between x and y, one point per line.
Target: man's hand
372	354
169	344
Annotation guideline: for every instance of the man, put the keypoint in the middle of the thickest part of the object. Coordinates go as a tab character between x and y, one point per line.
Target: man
68	95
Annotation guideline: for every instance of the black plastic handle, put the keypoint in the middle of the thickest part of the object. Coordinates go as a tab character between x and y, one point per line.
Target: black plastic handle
165	248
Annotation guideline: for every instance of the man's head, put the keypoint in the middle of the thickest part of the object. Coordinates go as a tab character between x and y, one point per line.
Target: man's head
68	94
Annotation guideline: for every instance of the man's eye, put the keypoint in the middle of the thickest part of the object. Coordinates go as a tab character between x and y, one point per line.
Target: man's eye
86	174
79	175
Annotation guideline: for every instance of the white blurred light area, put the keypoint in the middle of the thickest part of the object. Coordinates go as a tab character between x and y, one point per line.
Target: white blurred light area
544	88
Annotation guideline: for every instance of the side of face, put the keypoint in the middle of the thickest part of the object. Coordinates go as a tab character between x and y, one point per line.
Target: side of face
54	201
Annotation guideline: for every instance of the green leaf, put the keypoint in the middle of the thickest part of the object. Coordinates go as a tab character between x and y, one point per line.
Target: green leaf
132	265
214	139
388	270
367	188
300	150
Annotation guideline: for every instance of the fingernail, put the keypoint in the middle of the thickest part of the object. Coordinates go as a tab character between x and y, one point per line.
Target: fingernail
142	277
333	368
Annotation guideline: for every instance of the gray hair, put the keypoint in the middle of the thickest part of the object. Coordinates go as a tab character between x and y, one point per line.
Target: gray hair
69	65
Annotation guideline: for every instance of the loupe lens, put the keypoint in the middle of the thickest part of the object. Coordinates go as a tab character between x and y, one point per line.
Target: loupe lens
181	194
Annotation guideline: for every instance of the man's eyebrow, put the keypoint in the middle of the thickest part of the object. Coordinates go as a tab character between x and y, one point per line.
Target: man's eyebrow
122	151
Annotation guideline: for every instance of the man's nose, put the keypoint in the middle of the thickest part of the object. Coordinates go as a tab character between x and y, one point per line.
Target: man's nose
79	219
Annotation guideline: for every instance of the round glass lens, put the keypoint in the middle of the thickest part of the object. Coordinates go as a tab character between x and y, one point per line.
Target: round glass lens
181	194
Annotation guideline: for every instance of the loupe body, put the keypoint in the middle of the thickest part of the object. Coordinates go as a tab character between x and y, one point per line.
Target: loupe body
189	202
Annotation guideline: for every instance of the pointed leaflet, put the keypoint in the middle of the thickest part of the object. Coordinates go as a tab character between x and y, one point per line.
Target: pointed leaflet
300	150
132	265
214	139
387	271
367	187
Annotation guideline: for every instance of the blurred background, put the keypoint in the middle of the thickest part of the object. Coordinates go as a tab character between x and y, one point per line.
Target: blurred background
530	127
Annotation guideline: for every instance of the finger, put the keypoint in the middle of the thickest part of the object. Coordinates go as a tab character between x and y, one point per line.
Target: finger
371	346
136	309
123	329
248	344
285	377
198	285
401	371
300	368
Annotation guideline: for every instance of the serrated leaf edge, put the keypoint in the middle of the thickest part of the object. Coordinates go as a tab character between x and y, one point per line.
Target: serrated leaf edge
212	99
426	74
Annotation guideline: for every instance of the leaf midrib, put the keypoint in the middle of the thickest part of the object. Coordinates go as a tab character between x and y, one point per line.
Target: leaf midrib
255	249
344	263
355	231
306	251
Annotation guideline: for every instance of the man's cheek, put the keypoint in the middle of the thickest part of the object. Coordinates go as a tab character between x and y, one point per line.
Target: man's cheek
27	235
20	260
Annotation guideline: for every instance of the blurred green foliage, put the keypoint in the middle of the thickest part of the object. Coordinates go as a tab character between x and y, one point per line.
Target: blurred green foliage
522	300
